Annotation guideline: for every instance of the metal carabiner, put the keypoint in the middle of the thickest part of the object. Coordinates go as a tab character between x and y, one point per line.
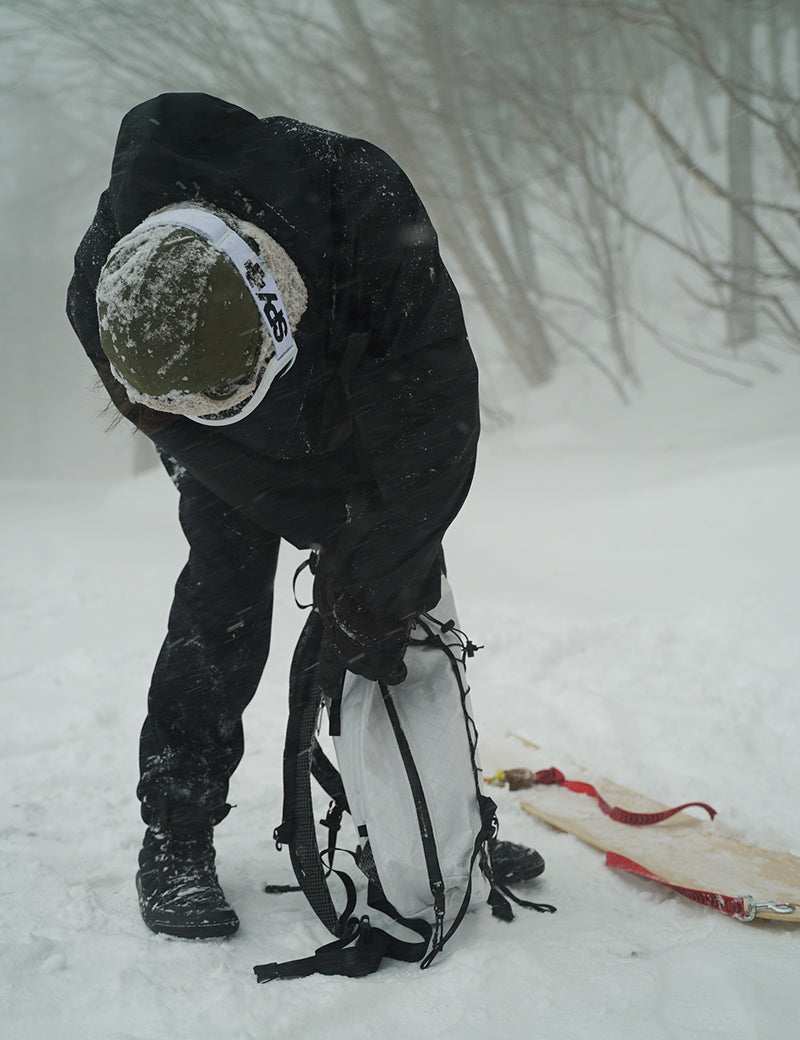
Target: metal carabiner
753	908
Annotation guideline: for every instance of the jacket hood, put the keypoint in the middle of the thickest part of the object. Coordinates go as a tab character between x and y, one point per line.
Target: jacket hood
176	145
184	146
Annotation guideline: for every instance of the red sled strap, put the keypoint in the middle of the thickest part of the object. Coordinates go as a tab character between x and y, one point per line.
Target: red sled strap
633	819
742	908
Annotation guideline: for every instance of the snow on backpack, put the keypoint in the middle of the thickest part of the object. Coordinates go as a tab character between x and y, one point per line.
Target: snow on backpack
409	778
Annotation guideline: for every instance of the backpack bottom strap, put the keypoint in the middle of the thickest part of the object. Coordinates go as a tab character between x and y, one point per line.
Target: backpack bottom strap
357	953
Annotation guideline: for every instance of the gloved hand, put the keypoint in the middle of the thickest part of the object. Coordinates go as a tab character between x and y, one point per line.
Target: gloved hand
362	643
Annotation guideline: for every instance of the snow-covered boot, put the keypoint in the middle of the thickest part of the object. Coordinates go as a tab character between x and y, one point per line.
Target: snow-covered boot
512	863
179	892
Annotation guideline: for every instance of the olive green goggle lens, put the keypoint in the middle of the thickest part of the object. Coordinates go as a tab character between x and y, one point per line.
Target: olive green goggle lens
222	393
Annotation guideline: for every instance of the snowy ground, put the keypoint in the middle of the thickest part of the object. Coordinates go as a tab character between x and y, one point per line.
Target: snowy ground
634	576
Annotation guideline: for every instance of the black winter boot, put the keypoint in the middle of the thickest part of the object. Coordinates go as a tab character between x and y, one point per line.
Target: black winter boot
179	893
512	863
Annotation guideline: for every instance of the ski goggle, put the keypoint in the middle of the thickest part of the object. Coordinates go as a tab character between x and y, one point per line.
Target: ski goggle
222	406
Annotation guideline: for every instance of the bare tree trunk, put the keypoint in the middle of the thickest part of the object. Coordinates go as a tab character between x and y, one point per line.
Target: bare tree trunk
741	313
774	16
530	350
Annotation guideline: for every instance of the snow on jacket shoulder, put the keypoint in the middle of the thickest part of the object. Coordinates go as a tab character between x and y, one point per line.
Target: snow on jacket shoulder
386	487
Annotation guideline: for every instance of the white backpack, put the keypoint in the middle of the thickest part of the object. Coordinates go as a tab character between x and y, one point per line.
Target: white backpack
409	777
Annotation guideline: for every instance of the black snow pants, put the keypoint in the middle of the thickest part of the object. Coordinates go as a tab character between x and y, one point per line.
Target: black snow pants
210	663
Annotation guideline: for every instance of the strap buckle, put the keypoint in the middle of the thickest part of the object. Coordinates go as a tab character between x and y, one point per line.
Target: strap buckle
751	908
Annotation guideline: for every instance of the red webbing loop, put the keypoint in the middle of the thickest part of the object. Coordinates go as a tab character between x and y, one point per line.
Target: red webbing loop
633	819
729	905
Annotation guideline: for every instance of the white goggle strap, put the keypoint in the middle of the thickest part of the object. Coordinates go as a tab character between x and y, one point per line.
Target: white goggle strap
274	368
257	276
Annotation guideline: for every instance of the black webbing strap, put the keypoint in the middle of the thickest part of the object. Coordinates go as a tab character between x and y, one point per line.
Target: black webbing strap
357	953
298	826
327	776
427	836
502	892
486	807
359	948
500	895
305	564
401	949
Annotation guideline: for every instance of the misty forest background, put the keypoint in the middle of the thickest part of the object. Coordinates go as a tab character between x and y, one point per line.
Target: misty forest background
609	178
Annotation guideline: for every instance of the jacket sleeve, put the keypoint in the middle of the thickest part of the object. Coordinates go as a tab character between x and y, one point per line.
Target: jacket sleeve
414	397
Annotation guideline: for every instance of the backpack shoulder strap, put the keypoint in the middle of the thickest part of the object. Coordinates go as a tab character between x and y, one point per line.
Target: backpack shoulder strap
297	829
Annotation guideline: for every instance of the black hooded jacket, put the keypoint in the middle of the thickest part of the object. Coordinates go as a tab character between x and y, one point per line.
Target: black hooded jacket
371	464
